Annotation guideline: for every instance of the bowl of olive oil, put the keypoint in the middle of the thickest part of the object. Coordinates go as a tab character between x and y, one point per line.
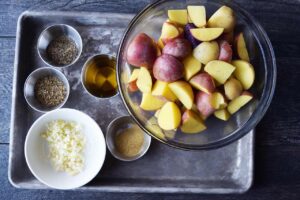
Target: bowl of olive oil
99	76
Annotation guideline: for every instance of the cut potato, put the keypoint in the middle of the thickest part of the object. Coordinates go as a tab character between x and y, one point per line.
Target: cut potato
169	31
191	122
203	102
239	102
191	67
134	75
204	82
156	113
132	87
219	70
233	88
197	15
244	72
150	102
206	34
178	16
144	81
160	43
223	18
184	93
161	88
169	117
222	114
206	52
241	48
218	101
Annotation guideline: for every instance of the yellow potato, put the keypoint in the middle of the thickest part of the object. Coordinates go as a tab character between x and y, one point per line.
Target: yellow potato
223	18
169	116
239	102
192	123
197	15
233	88
191	67
169	31
150	102
206	34
206	52
222	114
218	101
184	93
178	16
134	75
219	70
244	72
241	47
161	88
144	81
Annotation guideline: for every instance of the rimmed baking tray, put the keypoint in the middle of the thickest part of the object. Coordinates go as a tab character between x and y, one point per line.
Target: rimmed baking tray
163	169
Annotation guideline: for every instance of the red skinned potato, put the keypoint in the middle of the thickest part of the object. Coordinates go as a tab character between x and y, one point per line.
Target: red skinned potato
141	51
225	51
132	87
203	102
204	82
167	68
178	48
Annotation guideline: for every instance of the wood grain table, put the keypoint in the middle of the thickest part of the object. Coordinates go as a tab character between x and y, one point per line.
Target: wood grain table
277	149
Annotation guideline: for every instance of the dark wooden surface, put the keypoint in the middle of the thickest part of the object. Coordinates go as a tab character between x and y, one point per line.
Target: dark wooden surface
277	159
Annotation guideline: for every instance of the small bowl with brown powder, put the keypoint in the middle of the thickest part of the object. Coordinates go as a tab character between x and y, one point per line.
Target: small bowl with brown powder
46	89
126	140
59	45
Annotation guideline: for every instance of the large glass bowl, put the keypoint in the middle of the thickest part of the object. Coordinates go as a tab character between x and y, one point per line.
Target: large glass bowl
218	133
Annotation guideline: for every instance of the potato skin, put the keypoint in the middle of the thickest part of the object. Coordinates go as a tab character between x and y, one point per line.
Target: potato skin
206	52
178	48
188	35
225	51
203	104
167	68
141	51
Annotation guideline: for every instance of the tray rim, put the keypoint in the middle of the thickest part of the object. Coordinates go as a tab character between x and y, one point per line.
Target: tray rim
120	189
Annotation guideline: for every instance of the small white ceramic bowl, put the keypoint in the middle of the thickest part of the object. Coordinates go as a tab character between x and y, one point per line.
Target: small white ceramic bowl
36	150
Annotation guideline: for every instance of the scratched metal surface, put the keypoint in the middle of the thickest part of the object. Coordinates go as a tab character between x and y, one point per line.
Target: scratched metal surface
162	169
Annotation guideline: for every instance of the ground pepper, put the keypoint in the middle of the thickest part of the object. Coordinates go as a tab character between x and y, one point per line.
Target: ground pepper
130	141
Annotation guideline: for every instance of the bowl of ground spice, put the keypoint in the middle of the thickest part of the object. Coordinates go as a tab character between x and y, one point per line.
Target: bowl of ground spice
59	45
46	89
126	140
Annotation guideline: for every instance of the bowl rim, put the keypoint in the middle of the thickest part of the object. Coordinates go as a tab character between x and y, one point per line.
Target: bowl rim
36	174
258	113
66	85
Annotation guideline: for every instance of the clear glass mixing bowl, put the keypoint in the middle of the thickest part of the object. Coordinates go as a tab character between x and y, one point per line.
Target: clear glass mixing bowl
218	133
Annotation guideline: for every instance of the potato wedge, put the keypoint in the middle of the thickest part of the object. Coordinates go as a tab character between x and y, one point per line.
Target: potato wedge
178	16
197	15
206	34
150	102
162	89
206	52
184	93
239	102
241	48
223	18
191	122
244	72
219	70
191	67
222	114
169	116
144	80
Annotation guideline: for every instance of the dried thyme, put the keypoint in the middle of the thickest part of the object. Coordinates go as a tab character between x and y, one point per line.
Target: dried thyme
50	91
62	50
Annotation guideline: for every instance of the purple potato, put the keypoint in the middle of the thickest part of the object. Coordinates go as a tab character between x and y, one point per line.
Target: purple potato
188	35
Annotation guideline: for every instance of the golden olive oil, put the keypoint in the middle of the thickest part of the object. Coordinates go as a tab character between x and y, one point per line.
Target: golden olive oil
100	76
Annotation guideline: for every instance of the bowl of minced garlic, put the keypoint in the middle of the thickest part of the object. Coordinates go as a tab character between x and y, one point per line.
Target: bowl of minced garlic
126	140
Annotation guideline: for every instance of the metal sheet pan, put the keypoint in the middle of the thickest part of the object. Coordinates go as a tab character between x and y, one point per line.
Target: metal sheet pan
162	169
